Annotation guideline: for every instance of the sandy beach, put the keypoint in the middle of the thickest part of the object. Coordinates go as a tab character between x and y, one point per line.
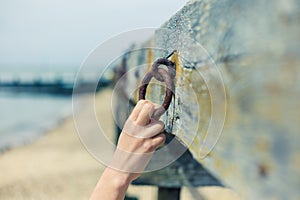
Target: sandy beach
57	166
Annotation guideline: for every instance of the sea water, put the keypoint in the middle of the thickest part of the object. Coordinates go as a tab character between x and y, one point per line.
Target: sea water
24	116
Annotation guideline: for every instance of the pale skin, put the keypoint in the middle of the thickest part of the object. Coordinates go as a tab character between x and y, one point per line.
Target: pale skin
113	183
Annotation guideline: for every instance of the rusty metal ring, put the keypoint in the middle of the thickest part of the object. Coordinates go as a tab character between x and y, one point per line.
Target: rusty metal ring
167	79
166	62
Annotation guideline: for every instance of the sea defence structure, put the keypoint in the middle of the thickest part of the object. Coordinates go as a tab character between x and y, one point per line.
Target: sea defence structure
235	103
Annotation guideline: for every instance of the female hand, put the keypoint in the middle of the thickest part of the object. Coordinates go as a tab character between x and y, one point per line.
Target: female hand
140	137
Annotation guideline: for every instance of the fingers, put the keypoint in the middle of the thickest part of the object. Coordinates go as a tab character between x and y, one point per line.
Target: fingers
151	144
154	128
158	140
151	130
137	109
142	112
140	124
145	114
148	131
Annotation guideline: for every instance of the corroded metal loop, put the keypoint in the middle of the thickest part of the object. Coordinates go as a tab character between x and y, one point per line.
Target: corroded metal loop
164	61
161	75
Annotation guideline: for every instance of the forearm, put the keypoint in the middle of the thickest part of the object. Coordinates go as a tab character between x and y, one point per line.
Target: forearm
111	186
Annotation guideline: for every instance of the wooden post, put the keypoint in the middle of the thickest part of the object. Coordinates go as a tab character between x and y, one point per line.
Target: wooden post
168	193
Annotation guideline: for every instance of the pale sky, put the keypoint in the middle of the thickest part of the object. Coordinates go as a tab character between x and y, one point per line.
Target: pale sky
62	32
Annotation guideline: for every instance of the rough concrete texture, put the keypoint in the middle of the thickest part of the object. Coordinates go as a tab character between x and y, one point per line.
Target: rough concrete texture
254	46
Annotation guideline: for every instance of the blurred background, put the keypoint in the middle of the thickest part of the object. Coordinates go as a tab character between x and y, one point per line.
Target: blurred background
43	44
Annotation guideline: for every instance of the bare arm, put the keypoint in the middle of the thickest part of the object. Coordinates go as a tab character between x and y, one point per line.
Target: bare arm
126	166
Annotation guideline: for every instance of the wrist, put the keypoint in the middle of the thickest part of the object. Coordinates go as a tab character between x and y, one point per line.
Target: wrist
118	179
112	185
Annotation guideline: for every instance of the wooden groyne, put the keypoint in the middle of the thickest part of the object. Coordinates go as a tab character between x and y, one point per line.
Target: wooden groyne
254	46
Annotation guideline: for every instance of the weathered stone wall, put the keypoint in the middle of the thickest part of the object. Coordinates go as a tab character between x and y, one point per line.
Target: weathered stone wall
255	48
